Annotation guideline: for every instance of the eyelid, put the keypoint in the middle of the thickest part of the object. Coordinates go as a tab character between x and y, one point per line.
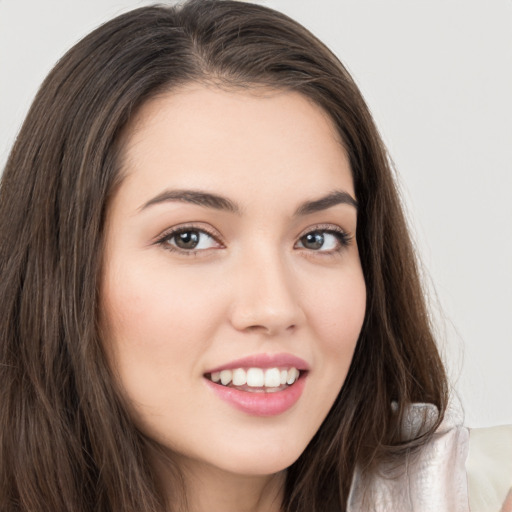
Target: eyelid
345	236
189	226
333	228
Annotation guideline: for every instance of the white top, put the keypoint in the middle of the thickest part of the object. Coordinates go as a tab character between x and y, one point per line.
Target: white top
459	470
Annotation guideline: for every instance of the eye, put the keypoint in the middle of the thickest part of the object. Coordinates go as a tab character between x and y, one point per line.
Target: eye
188	240
324	240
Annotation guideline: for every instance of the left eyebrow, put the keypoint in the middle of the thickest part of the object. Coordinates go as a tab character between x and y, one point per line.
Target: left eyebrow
332	199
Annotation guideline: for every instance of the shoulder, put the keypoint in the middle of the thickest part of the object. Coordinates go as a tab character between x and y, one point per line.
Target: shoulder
458	470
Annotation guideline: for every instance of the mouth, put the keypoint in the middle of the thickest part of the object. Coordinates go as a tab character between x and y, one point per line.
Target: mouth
260	385
256	380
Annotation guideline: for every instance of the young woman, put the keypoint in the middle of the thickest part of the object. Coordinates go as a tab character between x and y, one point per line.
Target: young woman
208	292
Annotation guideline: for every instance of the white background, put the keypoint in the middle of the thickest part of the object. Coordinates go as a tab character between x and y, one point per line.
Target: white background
437	75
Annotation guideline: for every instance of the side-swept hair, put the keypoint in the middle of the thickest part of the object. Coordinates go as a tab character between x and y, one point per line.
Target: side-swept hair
66	440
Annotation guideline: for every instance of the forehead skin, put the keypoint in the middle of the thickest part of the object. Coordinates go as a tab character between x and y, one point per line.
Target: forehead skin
209	107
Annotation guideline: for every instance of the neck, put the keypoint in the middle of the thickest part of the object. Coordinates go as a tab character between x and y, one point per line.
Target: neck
218	490
210	488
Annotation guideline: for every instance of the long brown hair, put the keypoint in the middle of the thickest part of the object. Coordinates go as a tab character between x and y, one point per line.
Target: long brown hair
66	440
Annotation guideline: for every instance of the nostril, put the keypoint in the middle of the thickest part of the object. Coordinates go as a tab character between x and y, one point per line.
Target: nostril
270	329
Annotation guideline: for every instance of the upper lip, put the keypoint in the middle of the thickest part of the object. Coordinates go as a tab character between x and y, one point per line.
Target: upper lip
264	361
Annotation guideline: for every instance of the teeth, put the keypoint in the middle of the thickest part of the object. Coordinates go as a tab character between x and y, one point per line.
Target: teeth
256	377
225	377
239	377
293	375
272	378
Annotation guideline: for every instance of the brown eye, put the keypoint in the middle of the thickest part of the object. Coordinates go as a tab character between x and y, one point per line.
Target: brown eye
313	241
187	239
324	240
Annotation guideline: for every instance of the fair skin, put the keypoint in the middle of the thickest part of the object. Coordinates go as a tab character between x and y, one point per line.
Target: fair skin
193	283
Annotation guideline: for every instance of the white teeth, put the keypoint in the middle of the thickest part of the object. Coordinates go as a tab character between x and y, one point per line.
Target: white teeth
256	377
239	377
225	377
272	378
293	375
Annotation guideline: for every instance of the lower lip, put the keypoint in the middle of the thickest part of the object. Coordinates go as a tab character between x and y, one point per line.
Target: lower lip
260	404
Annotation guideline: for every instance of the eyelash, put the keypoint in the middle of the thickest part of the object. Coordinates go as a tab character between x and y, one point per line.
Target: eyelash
343	237
169	235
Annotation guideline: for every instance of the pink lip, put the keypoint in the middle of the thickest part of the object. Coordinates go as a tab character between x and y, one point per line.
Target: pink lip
264	361
260	404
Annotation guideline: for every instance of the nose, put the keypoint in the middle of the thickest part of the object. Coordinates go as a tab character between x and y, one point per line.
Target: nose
266	296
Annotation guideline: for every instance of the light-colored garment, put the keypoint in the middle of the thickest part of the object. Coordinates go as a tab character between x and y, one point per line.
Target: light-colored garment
459	470
489	469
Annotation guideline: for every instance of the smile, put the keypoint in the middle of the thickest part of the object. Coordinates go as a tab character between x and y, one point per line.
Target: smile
260	385
256	380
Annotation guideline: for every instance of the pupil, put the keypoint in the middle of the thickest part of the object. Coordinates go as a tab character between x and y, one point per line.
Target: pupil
313	241
187	240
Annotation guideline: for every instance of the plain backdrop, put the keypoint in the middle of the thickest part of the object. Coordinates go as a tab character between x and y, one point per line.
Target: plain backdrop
437	75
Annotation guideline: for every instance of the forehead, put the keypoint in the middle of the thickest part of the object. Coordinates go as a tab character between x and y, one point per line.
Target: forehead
210	138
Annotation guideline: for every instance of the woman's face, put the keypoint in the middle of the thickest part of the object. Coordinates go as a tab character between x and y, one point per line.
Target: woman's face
231	254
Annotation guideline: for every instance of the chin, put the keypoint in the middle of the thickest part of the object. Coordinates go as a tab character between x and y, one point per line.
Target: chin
259	458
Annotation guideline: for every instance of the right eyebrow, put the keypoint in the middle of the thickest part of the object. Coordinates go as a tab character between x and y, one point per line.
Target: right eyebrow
205	199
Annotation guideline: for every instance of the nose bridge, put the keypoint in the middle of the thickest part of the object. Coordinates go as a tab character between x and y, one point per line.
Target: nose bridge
265	297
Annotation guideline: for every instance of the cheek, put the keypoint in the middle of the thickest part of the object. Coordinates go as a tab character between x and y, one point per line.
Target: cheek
153	306
338	312
156	327
336	315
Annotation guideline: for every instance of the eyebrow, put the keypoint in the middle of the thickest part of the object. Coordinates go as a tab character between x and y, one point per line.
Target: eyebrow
209	200
205	199
332	199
